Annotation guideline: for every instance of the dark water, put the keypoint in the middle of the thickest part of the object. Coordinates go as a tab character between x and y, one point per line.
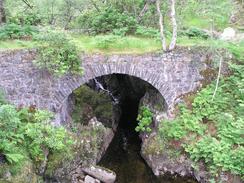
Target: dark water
129	165
123	154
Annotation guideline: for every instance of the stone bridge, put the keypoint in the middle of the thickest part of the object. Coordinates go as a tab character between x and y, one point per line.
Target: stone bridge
172	74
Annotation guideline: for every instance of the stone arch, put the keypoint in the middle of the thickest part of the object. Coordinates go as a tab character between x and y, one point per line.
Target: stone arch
70	83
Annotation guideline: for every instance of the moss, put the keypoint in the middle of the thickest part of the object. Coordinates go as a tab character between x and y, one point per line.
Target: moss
156	146
89	103
88	141
209	75
19	174
153	146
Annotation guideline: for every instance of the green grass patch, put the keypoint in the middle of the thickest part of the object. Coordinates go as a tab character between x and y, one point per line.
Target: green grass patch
111	44
16	44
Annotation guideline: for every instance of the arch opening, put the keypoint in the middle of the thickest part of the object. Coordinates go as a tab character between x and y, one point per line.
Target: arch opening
114	100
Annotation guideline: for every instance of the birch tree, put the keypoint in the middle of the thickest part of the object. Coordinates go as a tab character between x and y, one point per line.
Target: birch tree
161	25
174	25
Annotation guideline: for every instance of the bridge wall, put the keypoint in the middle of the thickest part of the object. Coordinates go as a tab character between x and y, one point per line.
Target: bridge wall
172	74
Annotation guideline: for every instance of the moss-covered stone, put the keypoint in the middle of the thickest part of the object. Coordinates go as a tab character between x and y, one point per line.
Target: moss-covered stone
87	149
24	173
89	103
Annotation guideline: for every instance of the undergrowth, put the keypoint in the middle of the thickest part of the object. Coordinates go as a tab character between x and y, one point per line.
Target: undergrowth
212	130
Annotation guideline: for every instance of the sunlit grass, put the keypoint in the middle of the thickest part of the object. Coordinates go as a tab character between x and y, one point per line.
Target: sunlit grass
128	44
124	45
16	44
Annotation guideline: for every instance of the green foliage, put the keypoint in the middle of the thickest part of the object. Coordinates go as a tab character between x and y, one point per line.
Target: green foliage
145	118
218	154
29	17
106	42
91	103
194	32
147	32
2	98
58	55
217	122
108	20
205	14
186	122
14	31
27	133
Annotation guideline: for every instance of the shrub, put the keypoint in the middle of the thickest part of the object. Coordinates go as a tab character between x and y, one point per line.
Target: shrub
145	119
14	31
107	21
29	130
147	32
26	18
212	130
58	55
194	32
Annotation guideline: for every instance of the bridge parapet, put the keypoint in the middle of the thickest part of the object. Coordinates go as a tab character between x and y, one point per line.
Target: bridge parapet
172	74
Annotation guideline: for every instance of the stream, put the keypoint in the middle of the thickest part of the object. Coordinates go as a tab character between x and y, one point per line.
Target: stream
123	155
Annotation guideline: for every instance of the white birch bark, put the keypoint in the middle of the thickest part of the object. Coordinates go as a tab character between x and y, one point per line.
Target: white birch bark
174	25
161	25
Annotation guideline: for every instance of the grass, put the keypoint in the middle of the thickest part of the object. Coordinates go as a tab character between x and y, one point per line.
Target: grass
109	44
16	44
89	44
203	14
113	44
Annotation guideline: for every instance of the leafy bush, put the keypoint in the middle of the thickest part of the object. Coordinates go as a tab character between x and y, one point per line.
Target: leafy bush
194	32
147	32
107	21
120	32
216	122
28	132
145	118
14	31
30	17
58	55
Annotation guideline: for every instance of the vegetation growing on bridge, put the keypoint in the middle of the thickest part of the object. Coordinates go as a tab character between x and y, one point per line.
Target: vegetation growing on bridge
211	128
145	118
57	54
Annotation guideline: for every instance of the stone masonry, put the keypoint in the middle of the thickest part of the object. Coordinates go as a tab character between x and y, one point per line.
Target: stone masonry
172	74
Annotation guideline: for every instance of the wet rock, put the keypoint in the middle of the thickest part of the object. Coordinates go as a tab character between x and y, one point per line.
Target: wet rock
164	159
89	179
100	173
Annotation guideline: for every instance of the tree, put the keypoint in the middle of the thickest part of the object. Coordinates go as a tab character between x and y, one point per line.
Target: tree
2	12
145	9
174	25
161	25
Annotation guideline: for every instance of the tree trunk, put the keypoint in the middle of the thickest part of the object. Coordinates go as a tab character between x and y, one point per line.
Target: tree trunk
2	12
143	11
174	25
161	25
